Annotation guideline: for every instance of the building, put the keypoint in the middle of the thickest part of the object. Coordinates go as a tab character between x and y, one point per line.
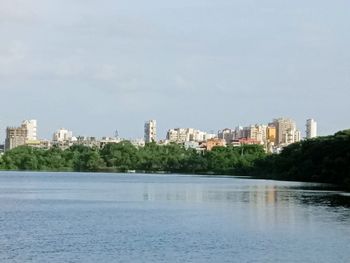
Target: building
258	133
227	134
271	134
193	145
239	132
150	131
15	136
178	135
311	129
182	135
215	142
31	126
245	141
62	135
138	142
286	131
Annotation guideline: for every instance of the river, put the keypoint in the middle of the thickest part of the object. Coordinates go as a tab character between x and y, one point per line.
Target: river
86	217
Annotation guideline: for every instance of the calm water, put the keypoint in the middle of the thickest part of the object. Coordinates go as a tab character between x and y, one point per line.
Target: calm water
66	217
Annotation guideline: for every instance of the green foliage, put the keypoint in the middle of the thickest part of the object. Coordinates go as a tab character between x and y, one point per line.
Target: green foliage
324	159
124	156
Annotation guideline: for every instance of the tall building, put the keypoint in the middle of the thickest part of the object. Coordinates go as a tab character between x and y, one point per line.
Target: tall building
150	131
31	126
258	133
286	131
227	134
271	134
311	128
15	136
62	135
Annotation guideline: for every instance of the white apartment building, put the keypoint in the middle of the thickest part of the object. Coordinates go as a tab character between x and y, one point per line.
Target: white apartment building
258	133
311	128
286	131
182	135
31	126
150	131
62	135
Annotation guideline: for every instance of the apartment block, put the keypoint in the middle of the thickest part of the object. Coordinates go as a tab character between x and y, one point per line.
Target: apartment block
311	128
15	136
150	132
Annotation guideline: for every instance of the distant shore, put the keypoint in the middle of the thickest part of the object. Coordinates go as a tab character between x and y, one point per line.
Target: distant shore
320	160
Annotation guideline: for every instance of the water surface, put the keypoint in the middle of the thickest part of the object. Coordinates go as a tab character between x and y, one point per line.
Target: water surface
81	217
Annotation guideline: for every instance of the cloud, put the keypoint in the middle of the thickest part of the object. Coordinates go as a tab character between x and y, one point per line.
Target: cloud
19	11
12	56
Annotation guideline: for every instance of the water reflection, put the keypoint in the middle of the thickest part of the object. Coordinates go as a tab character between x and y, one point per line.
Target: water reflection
263	202
190	218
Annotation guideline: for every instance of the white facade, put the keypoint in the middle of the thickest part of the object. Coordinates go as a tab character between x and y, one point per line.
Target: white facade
311	128
62	135
286	131
150	131
138	142
258	133
182	135
31	126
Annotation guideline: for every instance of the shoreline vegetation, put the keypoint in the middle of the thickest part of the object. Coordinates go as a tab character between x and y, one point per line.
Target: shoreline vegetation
323	159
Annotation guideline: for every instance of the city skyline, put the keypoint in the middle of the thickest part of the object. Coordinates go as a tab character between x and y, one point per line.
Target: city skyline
162	133
273	136
96	67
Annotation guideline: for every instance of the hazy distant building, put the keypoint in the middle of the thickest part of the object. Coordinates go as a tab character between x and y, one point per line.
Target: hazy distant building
227	134
271	134
286	131
15	136
311	128
62	135
31	126
214	142
258	133
182	135
2	148
150	131
178	135
239	132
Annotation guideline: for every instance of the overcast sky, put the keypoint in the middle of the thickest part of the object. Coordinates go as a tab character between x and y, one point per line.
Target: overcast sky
97	66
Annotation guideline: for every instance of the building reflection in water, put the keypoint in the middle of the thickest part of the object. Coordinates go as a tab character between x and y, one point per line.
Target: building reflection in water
262	203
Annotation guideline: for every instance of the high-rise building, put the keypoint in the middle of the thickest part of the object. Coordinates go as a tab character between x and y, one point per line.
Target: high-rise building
271	134
151	131
31	126
258	132
62	135
227	134
286	131
15	136
311	128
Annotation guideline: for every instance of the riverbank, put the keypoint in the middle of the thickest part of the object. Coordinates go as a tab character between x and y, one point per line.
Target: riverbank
324	160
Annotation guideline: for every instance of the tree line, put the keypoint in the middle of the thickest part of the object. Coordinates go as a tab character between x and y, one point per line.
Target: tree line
323	159
124	156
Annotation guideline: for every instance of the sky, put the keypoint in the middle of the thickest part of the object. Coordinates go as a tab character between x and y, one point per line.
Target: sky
96	66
